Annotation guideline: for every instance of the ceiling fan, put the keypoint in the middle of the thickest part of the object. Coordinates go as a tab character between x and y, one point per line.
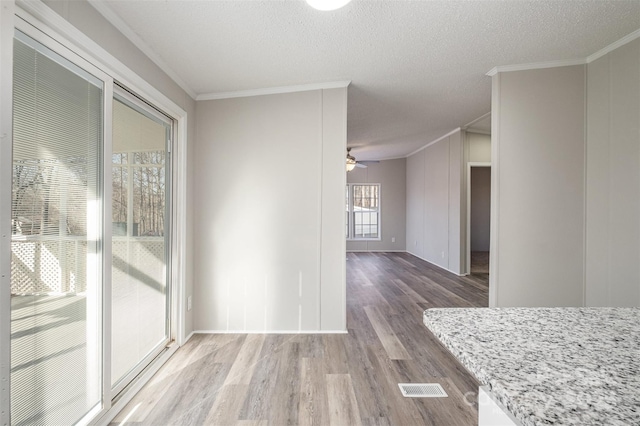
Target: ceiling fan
352	163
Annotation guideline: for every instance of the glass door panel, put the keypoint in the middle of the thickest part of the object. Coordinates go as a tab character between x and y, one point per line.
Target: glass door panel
56	285
140	166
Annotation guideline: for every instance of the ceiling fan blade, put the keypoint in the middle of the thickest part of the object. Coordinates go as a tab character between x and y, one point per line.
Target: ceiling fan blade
362	166
369	162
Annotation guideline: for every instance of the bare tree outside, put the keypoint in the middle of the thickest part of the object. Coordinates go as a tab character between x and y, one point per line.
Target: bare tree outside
147	186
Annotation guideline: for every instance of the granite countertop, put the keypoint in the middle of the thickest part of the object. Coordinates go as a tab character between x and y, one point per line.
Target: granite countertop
565	366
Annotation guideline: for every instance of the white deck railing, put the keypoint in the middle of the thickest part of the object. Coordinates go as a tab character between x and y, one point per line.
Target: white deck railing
57	264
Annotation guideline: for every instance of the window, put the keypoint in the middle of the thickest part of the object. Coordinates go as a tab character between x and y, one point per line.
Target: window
363	211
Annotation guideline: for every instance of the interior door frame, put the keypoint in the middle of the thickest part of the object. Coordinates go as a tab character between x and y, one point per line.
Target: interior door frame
470	165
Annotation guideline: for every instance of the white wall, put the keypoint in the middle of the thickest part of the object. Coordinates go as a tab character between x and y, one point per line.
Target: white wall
269	213
84	17
434	202
479	147
391	175
415	204
538	189
613	178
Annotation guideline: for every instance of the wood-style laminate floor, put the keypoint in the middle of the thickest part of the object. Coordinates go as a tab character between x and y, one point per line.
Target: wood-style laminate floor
343	379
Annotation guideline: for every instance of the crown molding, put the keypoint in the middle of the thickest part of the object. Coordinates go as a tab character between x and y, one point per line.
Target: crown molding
568	62
613	46
115	20
435	141
401	157
536	66
471	123
86	47
479	132
273	90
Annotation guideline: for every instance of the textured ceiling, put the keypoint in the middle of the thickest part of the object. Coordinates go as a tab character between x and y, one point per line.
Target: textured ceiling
417	67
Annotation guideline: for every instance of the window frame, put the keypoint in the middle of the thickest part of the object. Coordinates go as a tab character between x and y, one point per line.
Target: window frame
351	223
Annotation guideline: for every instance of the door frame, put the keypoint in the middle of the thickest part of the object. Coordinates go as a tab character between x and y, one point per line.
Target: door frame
470	165
133	101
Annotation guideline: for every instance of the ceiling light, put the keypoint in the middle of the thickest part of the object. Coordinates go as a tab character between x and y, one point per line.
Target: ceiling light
327	4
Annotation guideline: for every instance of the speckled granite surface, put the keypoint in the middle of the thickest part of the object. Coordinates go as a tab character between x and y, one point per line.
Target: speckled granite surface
560	366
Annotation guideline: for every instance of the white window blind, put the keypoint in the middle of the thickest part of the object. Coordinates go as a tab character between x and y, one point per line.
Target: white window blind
55	326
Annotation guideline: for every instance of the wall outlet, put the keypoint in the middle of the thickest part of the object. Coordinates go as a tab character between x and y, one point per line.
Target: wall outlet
442	255
415	243
189	303
393	239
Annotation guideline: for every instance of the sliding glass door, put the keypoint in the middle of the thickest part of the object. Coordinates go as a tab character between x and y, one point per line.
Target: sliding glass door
140	220
91	235
56	268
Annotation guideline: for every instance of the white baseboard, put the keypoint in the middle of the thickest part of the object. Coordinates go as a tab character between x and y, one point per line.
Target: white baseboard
436	265
270	332
188	337
376	251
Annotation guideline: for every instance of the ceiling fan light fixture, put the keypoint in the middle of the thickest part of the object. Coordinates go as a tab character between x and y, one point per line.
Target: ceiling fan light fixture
351	161
326	5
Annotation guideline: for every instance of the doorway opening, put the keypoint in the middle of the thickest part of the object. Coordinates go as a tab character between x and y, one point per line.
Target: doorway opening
478	217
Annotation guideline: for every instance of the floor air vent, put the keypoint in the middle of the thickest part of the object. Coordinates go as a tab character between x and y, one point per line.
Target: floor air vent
422	390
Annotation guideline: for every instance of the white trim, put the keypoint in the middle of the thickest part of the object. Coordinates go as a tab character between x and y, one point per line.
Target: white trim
6	137
105	10
273	90
478	131
401	157
188	338
179	258
436	265
270	332
378	159
471	164
567	62
78	42
376	251
584	185
495	193
107	253
482	117
435	141
135	387
351	211
613	46
319	196
536	66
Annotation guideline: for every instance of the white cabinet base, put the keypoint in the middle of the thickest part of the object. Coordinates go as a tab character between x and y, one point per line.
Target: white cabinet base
491	412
